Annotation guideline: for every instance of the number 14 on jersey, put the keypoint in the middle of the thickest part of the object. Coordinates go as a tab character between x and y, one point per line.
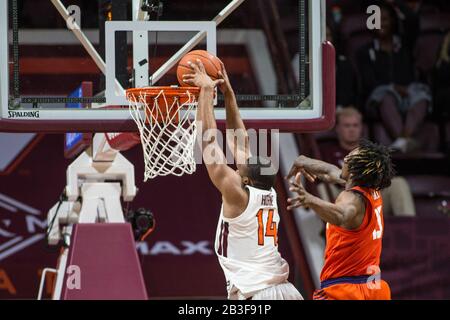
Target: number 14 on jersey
269	229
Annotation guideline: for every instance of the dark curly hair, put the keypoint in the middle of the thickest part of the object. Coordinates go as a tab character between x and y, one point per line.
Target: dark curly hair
371	166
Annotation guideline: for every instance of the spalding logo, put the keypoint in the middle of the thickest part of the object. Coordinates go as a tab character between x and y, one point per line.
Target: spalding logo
23	114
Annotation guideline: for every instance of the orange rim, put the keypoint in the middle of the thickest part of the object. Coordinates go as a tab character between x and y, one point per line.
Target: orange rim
171	95
153	92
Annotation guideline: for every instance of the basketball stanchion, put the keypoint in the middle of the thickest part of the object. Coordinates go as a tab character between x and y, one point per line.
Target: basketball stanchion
97	181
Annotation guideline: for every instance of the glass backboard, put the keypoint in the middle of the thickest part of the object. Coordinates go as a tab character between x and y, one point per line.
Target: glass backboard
281	68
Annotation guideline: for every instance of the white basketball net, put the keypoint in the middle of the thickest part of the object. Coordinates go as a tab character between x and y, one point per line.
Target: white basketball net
168	144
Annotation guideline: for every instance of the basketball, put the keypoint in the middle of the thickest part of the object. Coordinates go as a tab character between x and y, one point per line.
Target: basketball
211	62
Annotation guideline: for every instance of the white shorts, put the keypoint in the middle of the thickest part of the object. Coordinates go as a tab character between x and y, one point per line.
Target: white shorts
283	291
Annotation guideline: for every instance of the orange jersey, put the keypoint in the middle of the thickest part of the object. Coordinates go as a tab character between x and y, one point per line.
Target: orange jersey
354	291
357	252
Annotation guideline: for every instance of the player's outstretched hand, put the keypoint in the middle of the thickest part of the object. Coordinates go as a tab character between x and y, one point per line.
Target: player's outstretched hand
299	167
200	78
316	170
225	87
303	198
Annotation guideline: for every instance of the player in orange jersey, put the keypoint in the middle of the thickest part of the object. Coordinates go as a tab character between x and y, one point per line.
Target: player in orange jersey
354	222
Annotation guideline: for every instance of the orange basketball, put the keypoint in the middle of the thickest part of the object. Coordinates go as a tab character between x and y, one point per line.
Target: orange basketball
211	63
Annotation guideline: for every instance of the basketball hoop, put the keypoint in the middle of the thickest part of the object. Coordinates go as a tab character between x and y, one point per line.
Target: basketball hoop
165	117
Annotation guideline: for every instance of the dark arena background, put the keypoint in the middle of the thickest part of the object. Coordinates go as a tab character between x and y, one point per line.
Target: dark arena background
391	86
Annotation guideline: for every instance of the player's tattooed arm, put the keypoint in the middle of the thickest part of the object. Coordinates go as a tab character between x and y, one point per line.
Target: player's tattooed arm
314	169
236	135
347	212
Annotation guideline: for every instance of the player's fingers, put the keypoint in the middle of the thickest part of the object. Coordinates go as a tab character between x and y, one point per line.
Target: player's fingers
188	76
222	67
299	198
193	66
298	184
297	201
291	173
189	81
301	189
292	200
200	65
293	183
298	179
224	71
314	176
307	175
218	82
293	206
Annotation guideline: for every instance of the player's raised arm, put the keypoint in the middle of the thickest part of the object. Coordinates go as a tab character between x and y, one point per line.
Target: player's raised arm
205	113
314	169
223	177
347	212
237	140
